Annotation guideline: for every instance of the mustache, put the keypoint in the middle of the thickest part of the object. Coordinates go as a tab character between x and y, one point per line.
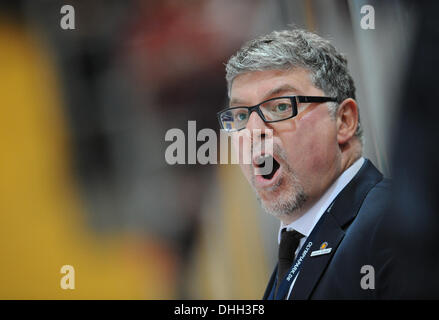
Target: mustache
278	152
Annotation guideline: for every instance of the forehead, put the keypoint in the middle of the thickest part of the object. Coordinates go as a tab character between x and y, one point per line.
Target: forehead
258	85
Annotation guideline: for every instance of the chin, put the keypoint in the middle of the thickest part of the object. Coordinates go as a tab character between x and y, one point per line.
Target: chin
283	205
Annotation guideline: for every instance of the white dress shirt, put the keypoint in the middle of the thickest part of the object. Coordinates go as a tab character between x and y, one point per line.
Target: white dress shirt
306	223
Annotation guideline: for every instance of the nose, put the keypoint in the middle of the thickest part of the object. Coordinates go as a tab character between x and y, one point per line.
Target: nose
259	132
256	122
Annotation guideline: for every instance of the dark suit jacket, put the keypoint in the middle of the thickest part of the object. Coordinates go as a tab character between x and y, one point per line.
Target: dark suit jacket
357	230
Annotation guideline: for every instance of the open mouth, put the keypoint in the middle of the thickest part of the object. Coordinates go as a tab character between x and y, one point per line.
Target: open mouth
262	164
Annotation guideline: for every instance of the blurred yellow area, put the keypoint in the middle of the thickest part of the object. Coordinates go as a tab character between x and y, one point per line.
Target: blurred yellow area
42	220
231	261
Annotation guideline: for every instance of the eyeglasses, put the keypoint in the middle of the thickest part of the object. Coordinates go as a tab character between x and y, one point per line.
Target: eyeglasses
271	110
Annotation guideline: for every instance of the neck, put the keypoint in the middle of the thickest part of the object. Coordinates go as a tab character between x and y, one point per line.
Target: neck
350	153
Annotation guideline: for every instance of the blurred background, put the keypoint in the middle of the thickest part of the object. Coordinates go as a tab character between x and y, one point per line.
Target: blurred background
84	112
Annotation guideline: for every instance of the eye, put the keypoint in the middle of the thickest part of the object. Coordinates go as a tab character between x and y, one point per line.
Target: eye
241	116
281	107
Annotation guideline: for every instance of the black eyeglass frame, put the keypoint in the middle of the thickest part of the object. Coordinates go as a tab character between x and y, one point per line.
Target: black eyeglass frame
294	100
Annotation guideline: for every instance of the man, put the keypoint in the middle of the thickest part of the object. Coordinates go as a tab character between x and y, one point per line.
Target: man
330	200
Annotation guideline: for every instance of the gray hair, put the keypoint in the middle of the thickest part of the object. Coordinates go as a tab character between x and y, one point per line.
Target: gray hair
287	49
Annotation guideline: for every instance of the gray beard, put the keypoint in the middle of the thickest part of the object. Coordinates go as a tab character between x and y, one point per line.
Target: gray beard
285	207
281	207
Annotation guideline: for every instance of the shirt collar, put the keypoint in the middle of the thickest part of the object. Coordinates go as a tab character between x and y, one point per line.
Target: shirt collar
307	221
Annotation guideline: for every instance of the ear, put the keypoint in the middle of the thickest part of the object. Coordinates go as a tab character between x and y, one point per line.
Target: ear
347	120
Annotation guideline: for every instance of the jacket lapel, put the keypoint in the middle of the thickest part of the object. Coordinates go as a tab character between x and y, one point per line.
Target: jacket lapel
313	266
343	210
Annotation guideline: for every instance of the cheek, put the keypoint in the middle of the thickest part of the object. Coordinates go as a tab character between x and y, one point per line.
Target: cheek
313	144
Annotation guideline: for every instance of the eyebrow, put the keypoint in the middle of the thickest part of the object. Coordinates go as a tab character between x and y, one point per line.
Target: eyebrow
275	91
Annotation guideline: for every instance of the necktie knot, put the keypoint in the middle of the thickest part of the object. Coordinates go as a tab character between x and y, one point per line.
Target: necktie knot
288	244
